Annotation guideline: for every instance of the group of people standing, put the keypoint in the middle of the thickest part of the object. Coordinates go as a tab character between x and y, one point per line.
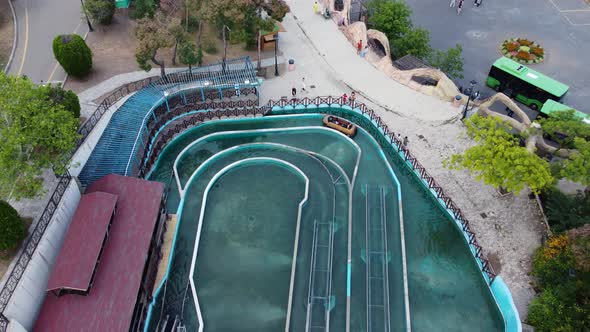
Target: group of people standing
459	5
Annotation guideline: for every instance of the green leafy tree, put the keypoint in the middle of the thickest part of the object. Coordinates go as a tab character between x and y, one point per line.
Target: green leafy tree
12	228
563	127
152	35
67	98
73	54
566	212
577	166
144	8
449	62
190	55
498	160
101	10
414	42
277	9
392	17
36	134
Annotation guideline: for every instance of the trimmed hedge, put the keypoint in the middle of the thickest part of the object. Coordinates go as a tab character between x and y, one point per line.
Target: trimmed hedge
12	228
73	54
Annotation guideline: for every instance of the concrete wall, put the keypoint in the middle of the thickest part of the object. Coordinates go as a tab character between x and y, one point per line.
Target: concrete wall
81	155
29	294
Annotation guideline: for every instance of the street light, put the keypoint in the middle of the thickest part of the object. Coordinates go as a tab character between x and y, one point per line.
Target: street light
471	85
276	62
86	14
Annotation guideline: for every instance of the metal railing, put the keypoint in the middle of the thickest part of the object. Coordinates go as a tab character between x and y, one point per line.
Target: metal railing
389	139
30	246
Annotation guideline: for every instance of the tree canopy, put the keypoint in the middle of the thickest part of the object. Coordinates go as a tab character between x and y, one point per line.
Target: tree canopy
153	34
101	10
35	133
498	160
449	62
73	54
12	228
563	127
392	17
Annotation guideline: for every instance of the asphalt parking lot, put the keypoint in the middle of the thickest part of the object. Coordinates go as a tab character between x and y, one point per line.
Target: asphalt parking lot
562	27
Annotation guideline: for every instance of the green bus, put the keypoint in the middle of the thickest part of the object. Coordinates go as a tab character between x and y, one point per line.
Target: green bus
524	84
552	106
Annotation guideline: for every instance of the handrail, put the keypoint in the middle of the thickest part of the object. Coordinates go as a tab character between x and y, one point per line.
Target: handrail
410	161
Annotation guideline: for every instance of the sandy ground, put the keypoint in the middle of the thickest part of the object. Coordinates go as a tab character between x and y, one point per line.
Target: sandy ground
6	33
113	51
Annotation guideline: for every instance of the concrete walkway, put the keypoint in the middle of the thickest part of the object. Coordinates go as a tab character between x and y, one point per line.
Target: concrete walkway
359	75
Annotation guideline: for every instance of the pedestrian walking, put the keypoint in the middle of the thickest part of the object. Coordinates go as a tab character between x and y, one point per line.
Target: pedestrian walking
344	97
399	137
453	3
359	46
352	98
459	7
293	92
303	85
316	7
477	3
406	140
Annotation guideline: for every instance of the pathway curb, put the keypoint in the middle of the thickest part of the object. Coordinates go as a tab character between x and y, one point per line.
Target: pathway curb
14	22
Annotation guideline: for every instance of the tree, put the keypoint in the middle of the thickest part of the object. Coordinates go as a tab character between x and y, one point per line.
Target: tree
392	17
577	166
190	55
177	32
498	160
67	98
566	212
277	9
563	127
144	8
101	10
36	134
449	62
414	42
12	228
73	54
152	35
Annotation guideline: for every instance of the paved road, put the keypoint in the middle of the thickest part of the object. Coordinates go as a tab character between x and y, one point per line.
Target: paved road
39	21
561	26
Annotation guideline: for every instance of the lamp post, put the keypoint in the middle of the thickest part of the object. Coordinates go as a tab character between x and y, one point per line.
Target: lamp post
86	14
224	47
471	85
276	61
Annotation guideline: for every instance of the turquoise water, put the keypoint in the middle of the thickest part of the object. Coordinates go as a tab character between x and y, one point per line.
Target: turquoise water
446	289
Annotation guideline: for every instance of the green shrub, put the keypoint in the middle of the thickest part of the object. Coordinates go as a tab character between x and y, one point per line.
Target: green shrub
144	8
553	262
67	98
73	54
550	313
209	46
101	10
12	228
193	23
566	212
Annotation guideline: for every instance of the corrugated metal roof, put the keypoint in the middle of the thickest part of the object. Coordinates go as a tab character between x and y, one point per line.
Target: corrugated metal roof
110	303
79	253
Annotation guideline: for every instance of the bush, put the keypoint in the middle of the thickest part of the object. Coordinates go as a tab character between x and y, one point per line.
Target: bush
12	228
552	264
144	8
523	55
566	212
101	10
73	54
193	23
67	98
524	42
511	47
209	47
538	51
550	313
